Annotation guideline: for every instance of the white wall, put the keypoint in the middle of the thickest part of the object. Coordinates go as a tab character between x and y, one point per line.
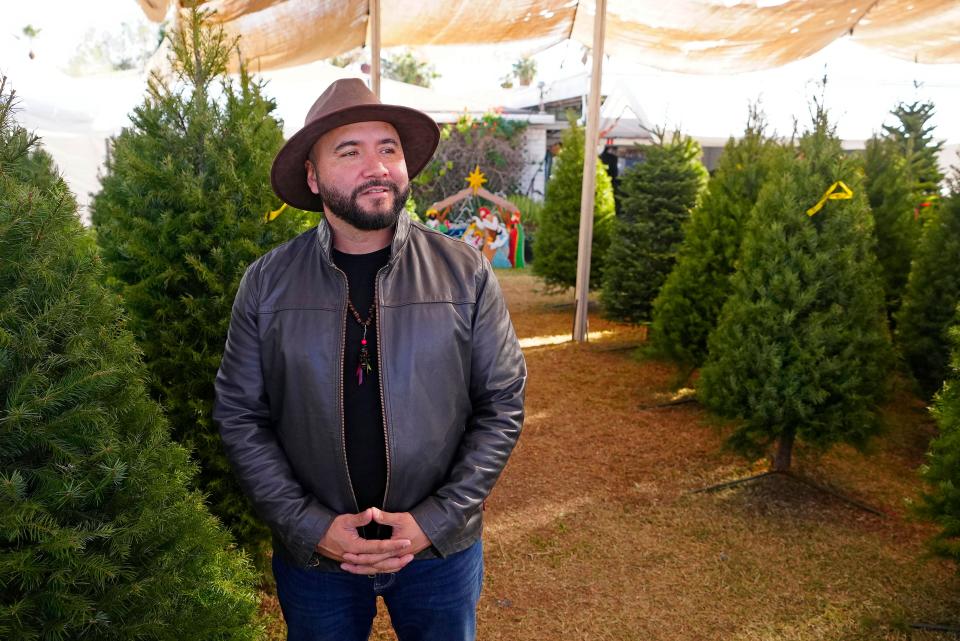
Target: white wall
534	150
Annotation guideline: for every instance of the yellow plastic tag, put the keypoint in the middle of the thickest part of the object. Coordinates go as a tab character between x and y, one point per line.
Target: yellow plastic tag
276	212
837	191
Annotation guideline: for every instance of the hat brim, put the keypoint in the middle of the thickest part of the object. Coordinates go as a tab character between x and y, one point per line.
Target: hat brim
419	136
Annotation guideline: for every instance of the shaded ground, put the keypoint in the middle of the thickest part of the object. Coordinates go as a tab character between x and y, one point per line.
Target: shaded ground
592	532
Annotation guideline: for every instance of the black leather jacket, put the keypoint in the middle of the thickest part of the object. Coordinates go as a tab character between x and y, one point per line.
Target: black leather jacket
452	382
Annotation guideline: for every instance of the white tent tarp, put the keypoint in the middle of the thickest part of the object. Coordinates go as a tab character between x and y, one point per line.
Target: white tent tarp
691	36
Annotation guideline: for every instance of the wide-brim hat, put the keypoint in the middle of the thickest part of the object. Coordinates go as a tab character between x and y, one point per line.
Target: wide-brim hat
345	102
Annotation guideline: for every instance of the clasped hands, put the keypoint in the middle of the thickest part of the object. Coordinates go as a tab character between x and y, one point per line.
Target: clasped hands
342	542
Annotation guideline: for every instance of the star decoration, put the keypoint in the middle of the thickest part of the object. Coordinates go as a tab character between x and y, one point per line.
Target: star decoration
476	179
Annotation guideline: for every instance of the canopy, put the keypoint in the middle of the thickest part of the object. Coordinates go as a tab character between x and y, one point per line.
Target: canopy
691	36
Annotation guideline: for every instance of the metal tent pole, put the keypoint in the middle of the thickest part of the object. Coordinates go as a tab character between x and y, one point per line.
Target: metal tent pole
375	46
589	176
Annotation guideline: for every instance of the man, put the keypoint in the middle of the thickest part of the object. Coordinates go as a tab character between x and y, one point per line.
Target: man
371	387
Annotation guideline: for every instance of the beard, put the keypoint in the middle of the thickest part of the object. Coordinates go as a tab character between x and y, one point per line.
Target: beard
347	208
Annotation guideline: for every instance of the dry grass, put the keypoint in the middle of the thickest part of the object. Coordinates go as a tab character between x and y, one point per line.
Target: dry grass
592	532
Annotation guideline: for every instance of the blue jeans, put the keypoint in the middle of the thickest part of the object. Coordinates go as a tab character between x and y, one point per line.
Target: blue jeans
428	600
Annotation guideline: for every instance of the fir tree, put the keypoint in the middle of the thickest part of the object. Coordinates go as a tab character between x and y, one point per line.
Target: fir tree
801	350
931	295
891	195
558	231
686	310
941	503
181	213
100	536
914	137
656	196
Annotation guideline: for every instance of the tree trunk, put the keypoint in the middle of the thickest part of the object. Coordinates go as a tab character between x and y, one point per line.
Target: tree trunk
781	460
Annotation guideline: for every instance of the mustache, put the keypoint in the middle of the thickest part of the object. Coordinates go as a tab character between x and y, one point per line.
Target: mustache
387	184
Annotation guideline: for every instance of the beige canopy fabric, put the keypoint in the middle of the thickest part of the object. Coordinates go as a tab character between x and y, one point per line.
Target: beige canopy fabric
692	36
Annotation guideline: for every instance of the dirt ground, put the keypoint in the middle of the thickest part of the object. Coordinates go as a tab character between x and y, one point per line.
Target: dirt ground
594	531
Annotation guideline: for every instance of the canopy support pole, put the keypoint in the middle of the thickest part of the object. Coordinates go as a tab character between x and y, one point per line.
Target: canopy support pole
589	176
375	47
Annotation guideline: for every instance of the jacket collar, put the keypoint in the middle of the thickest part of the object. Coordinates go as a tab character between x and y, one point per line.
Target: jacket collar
400	235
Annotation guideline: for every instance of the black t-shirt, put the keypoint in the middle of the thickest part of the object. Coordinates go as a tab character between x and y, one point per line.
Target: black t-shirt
362	406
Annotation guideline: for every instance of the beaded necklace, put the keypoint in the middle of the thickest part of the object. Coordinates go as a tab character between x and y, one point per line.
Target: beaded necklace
364	365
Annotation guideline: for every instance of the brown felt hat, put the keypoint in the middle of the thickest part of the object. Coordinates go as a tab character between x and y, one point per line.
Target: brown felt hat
345	102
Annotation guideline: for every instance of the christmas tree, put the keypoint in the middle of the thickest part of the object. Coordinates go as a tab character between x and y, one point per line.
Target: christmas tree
891	195
102	537
914	136
801	348
686	310
558	227
183	210
656	196
931	295
941	503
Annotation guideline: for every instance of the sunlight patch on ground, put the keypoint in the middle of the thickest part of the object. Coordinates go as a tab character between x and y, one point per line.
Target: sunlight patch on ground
509	524
538	415
559	339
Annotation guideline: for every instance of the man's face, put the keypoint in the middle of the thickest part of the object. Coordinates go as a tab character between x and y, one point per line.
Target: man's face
360	173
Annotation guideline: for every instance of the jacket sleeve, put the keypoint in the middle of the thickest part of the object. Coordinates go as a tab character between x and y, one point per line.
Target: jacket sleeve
498	377
242	412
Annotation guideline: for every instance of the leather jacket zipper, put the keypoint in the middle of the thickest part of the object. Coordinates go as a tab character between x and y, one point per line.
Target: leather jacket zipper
343	422
383	407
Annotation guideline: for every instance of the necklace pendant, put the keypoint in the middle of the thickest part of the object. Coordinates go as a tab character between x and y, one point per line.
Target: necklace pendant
364	366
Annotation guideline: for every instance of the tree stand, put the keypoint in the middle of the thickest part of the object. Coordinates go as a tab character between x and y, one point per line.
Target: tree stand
799	479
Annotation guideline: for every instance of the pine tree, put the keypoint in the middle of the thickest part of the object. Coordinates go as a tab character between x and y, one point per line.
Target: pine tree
181	213
891	195
941	502
801	348
656	196
686	310
914	137
100	536
558	231
931	295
